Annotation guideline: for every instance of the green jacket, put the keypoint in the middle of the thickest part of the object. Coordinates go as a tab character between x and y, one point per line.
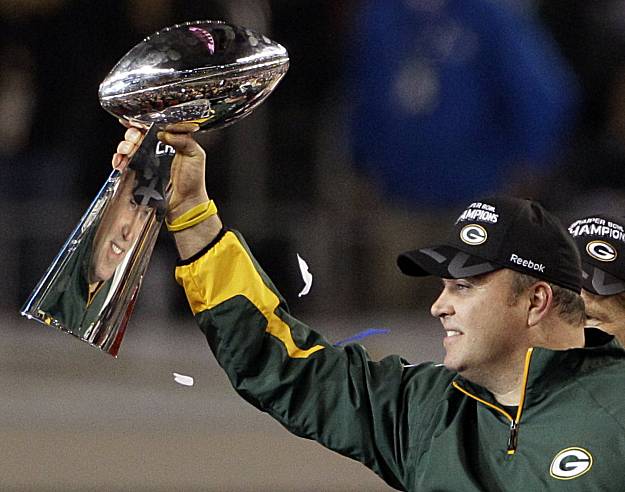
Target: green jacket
420	427
68	301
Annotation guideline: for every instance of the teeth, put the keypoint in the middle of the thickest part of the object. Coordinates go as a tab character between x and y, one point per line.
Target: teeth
116	249
452	333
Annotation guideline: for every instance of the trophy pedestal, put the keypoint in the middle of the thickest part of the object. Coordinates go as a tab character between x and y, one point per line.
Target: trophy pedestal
91	287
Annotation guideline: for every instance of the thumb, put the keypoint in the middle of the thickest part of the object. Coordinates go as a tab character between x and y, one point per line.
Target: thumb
183	143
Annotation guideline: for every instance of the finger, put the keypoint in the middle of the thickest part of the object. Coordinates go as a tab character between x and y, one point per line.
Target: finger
131	124
182	142
120	161
182	128
124	122
133	135
125	147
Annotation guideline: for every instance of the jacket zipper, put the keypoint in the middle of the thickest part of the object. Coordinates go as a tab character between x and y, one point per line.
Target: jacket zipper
513	435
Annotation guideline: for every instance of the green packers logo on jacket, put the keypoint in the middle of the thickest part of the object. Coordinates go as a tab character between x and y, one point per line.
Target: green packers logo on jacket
570	463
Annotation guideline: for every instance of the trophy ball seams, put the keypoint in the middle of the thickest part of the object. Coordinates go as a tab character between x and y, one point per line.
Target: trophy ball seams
175	74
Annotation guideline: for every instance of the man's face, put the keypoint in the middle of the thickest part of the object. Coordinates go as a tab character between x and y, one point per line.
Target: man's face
120	226
484	327
606	313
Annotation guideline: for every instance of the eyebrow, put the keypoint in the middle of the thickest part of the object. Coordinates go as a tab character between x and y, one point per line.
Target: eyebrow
475	280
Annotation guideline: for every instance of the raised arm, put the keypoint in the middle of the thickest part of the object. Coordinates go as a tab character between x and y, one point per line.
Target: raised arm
337	396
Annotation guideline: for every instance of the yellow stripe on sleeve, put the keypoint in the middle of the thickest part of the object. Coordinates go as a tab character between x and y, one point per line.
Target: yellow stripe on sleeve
226	271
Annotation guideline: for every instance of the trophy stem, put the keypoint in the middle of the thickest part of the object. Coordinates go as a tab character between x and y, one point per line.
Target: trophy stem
91	287
30	307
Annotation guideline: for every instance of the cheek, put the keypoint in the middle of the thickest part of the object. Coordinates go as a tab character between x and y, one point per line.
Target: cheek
513	325
501	324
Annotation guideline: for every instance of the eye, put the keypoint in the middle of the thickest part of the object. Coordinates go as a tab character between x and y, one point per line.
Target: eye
462	285
456	285
133	204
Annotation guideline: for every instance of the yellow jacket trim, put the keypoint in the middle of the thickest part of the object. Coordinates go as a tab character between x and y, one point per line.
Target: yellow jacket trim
488	404
514	421
526	371
227	271
92	293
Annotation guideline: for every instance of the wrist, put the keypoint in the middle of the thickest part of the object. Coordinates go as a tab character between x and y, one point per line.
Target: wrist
176	210
191	241
192	217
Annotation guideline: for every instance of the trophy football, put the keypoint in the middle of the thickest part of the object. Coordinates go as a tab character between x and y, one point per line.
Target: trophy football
207	72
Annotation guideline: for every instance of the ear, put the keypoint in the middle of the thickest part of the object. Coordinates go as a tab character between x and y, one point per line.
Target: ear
541	301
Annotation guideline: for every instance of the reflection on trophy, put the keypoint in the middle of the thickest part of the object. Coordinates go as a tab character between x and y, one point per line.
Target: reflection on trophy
207	72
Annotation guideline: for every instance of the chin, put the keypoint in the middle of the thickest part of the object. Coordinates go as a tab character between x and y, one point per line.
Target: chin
456	366
460	369
103	276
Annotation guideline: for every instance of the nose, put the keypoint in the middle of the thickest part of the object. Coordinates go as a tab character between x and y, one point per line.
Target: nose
442	305
129	227
126	231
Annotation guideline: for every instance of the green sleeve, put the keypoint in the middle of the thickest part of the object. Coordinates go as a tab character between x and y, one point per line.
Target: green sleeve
336	396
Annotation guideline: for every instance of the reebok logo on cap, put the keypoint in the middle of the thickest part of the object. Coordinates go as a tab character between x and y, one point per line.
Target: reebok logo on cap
532	265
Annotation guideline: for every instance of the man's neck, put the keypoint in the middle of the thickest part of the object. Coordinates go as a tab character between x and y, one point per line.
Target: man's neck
504	382
558	334
508	387
510	398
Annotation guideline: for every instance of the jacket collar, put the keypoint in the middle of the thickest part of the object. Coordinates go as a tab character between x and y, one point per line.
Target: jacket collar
550	369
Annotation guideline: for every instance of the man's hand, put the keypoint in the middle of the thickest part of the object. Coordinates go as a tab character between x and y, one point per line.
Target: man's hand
187	180
187	169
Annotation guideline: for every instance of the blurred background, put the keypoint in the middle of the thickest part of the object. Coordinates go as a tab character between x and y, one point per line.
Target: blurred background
393	115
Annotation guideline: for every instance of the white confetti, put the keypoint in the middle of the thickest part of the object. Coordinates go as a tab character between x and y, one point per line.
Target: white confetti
182	379
306	275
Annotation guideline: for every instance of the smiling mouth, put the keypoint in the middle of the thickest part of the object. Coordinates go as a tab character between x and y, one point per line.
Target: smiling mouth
116	249
452	333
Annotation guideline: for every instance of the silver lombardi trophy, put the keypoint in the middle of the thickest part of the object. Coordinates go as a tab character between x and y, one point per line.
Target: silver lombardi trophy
208	72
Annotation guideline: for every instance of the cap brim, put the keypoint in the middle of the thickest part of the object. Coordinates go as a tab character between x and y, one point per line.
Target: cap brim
443	261
600	282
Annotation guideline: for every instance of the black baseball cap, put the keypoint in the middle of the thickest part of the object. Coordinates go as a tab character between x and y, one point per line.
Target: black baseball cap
501	232
601	242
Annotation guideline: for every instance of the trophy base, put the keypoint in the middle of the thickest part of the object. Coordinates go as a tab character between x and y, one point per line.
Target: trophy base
90	289
109	348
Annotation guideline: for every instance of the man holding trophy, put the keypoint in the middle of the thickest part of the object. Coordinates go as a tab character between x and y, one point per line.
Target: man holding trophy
526	400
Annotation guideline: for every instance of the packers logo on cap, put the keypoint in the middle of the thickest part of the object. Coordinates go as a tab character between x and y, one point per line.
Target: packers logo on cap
602	251
473	234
